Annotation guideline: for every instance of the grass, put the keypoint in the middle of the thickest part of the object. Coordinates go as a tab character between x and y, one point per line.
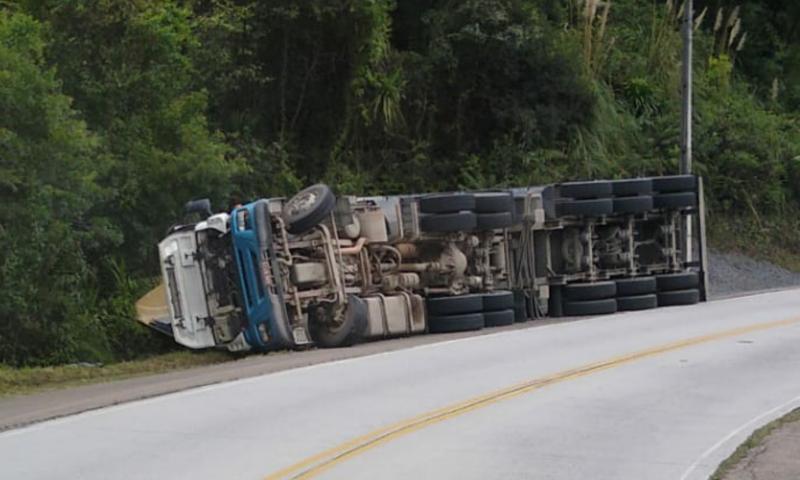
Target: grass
754	441
19	381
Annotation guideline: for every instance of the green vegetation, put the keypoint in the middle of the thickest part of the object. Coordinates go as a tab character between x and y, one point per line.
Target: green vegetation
26	380
754	441
115	113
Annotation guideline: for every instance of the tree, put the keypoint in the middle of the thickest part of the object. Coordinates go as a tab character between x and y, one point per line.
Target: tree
49	163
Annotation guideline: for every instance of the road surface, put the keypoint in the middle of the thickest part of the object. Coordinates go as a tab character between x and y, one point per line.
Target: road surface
664	394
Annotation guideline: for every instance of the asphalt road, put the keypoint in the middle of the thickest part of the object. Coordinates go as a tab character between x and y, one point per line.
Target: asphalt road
665	394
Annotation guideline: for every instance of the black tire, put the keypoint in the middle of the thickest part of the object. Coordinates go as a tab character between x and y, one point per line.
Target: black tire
627	287
584	190
494	221
633	204
584	208
499	300
455	323
590	307
470	303
675	200
448	222
637	302
589	291
677	281
678	297
494	202
349	332
446	202
308	208
632	187
499	319
675	183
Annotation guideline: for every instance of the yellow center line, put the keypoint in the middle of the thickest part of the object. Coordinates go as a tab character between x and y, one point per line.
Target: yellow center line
322	461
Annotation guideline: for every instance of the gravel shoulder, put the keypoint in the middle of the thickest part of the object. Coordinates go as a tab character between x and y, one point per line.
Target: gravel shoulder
734	273
769	454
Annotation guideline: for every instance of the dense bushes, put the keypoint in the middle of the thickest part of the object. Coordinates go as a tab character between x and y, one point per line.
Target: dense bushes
116	112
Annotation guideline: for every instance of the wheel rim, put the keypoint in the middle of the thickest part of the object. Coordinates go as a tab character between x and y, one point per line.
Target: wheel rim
301	202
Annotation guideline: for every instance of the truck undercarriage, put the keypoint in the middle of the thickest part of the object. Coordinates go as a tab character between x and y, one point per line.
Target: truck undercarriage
317	269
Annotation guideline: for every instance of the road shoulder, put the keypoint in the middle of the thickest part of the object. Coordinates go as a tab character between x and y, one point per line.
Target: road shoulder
22	410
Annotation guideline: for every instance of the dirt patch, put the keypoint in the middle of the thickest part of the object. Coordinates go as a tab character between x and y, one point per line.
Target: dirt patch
771	453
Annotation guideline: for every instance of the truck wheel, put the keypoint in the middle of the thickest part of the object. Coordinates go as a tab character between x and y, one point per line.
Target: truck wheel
308	208
500	318
637	302
584	190
455	323
470	303
348	332
494	202
678	297
494	221
584	208
589	291
499	300
633	204
675	183
675	200
446	202
632	187
448	222
590	307
627	287
677	281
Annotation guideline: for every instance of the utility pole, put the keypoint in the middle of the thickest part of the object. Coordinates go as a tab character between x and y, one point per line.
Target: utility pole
686	117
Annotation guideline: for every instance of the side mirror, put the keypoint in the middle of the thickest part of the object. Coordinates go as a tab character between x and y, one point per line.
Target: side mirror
201	207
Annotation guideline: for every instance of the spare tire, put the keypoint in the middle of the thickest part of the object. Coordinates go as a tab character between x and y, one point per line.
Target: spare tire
590	307
494	202
584	190
584	208
498	319
455	323
469	303
631	187
636	286
448	222
446	202
677	281
494	221
308	208
589	291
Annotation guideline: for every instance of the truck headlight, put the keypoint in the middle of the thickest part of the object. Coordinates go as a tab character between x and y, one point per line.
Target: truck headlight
262	330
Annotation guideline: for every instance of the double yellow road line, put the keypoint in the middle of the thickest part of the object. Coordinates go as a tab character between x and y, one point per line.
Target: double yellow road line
322	461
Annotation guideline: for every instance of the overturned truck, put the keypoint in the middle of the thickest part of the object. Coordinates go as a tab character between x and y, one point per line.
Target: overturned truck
317	269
